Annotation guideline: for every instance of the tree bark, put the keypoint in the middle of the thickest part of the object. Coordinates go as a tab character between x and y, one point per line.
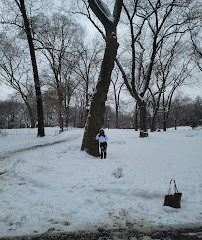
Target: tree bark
143	120
60	100
117	116
153	123
175	124
40	116
164	122
136	117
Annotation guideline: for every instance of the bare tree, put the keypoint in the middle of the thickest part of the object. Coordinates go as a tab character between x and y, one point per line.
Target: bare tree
167	64
40	117
151	23
96	115
197	49
194	17
177	81
117	87
15	74
71	83
170	74
87	69
59	39
18	16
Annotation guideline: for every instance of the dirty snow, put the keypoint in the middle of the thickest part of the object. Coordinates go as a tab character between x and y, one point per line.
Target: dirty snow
58	187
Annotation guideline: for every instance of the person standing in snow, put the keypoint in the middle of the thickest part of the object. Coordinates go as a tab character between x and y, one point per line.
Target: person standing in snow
102	138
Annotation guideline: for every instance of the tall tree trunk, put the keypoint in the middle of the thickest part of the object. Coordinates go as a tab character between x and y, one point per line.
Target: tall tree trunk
175	124
143	120
87	100
40	115
60	114
60	98
153	123
164	121
117	115
164	113
136	117
67	116
96	117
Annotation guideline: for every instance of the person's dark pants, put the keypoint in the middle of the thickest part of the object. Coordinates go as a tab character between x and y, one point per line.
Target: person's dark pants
103	147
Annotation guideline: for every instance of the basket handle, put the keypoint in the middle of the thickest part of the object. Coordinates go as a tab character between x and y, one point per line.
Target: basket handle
175	187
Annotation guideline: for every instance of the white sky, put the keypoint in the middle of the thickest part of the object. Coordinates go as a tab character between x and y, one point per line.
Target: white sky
5	91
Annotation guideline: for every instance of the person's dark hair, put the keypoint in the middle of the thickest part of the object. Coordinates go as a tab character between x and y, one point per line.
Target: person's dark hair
101	134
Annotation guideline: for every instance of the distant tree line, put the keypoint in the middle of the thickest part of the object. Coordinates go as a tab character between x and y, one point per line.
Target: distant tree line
183	112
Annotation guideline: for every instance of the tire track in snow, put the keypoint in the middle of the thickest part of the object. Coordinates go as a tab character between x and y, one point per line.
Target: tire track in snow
26	149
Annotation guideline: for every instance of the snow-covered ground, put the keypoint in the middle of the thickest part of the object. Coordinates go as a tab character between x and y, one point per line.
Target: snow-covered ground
58	187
